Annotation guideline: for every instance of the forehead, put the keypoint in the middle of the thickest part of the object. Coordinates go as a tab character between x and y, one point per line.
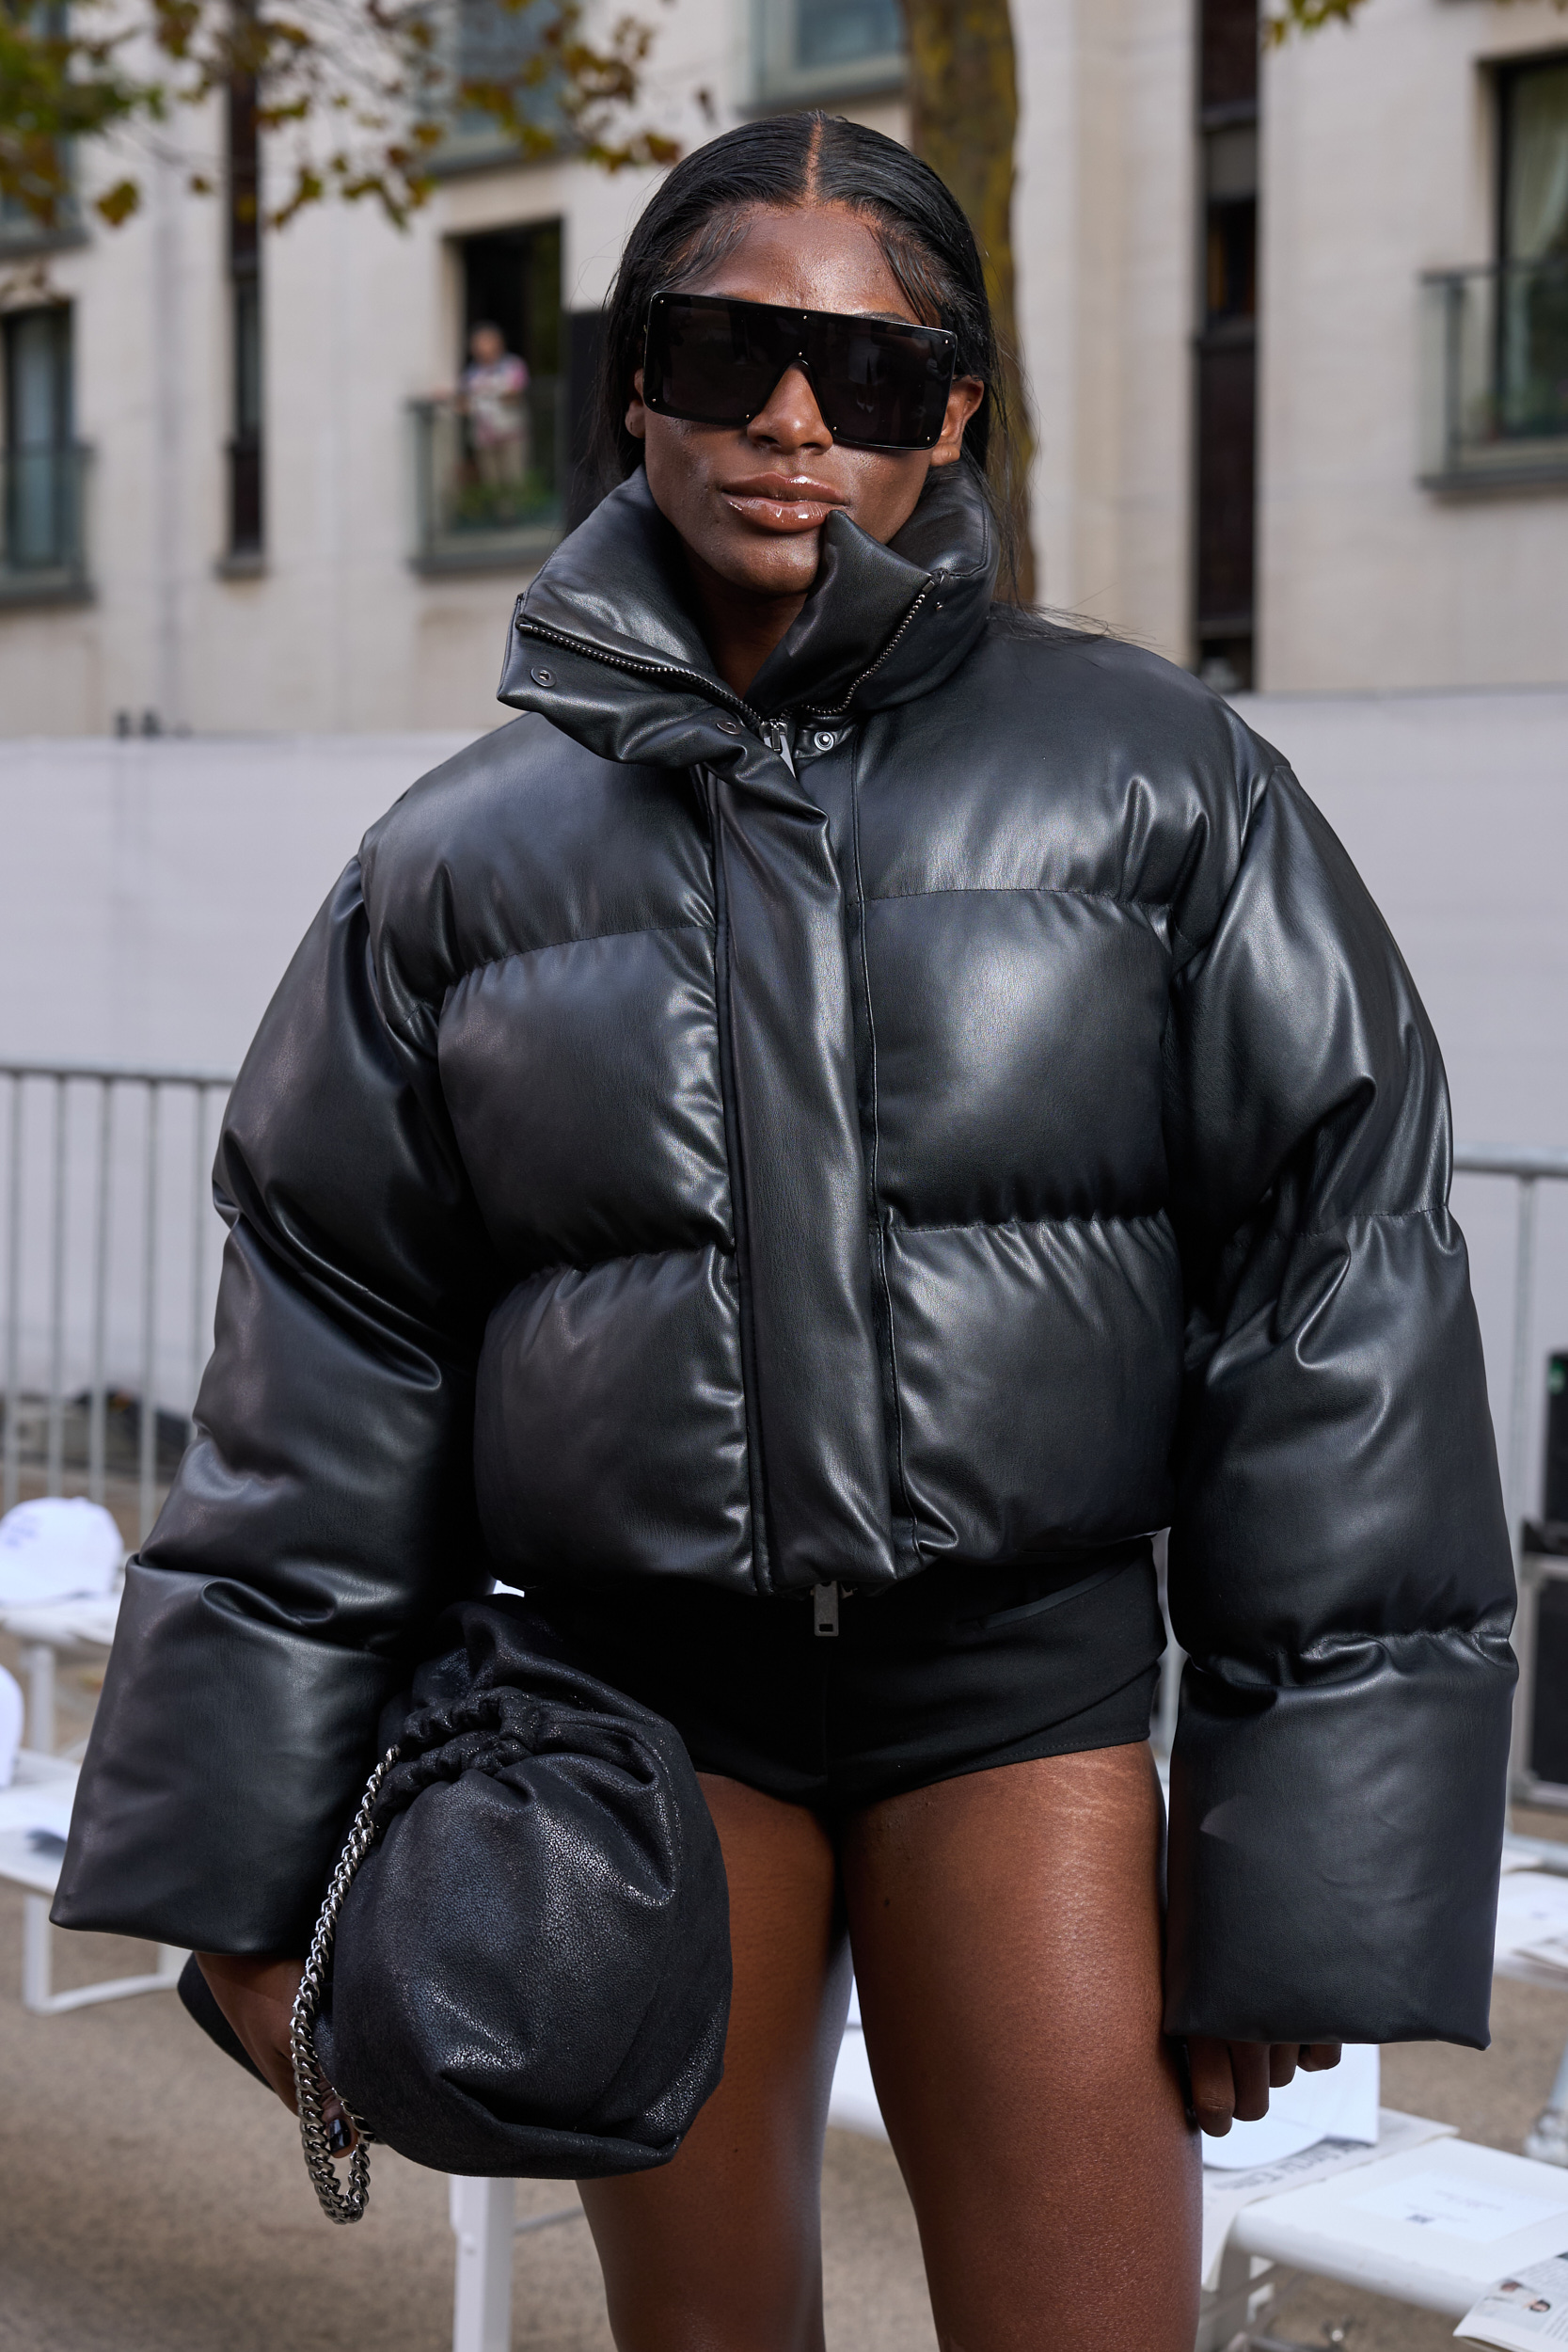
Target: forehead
818	257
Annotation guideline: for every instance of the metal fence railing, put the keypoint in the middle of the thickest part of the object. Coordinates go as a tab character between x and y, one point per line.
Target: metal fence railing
493	502
1494	374
1528	1169
111	1249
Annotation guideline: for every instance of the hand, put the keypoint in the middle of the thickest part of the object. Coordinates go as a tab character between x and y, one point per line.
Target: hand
1231	2080
258	1998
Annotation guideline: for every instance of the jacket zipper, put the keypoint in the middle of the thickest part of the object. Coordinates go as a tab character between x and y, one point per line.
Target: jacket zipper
706	685
530	628
836	711
775	732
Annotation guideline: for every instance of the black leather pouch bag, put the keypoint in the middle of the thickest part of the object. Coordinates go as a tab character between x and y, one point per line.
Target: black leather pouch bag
529	1960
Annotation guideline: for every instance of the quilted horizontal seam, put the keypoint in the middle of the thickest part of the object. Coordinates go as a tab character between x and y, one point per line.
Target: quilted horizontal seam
1030	1224
627	1257
1428	1210
1022	890
588	939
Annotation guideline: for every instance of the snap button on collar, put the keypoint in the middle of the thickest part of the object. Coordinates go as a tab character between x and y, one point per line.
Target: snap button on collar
543	677
824	739
727	725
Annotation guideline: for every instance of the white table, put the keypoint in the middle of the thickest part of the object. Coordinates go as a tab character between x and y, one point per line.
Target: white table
1349	2228
44	1628
40	1792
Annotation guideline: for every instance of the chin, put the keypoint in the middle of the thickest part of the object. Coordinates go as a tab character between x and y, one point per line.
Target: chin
777	567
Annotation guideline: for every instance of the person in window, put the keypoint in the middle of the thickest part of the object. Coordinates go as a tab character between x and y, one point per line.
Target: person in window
492	398
803	1152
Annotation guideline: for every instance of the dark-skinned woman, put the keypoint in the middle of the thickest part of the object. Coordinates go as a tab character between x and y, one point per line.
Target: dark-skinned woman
802	1151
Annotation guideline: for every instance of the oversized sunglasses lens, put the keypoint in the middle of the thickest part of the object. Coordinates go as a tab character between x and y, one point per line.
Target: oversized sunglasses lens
879	383
712	361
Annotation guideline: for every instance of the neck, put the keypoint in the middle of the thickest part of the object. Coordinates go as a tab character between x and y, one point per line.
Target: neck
741	628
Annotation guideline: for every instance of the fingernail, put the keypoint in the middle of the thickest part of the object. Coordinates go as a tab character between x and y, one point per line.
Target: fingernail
339	2138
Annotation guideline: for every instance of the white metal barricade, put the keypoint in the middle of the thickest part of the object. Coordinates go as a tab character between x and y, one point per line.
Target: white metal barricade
110	1251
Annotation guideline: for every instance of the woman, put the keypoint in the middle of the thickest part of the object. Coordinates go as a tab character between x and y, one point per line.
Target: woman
801	1151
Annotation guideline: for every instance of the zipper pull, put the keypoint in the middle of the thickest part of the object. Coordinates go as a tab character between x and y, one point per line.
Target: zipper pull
775	733
825	1607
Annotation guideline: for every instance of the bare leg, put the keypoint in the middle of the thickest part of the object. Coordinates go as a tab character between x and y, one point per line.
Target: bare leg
1006	1940
721	2251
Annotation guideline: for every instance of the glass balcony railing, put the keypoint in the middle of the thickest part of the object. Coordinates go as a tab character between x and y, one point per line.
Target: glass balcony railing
1496	375
42	523
484	499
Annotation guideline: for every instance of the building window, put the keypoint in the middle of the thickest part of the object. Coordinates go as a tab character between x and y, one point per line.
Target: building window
824	48
1226	400
1494	374
42	506
246	534
491	42
1533	252
491	461
49	164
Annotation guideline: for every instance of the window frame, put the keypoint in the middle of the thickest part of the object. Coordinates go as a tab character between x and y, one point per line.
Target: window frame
778	79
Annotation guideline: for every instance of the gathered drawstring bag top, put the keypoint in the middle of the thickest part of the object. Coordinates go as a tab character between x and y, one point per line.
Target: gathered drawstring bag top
523	1967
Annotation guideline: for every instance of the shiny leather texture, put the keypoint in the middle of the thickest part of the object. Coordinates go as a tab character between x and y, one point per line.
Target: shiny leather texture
958	1105
530	1972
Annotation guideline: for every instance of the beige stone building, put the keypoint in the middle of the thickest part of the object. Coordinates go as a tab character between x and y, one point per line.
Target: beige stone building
1298	340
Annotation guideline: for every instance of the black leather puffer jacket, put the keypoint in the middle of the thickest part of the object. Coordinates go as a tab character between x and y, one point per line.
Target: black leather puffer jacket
959	1103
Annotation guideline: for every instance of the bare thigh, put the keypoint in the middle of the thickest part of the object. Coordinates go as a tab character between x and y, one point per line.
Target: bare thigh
721	2251
1006	1939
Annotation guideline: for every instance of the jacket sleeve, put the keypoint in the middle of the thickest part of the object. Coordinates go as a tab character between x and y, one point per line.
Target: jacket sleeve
1339	1565
324	1509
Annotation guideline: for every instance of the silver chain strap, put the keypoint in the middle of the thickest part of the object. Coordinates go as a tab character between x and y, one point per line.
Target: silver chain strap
310	2084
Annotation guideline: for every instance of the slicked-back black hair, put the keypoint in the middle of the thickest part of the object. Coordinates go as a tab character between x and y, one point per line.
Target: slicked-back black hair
699	213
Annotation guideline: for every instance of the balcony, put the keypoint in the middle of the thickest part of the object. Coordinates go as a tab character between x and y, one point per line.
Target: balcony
42	525
1496	378
487	505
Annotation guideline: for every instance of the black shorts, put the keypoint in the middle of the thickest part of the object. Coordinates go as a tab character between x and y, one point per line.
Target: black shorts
953	1671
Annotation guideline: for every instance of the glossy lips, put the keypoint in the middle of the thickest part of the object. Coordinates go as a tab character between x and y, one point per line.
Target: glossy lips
782	502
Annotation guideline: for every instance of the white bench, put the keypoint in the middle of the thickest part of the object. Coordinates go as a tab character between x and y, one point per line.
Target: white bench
40	1797
43	1628
1434	2227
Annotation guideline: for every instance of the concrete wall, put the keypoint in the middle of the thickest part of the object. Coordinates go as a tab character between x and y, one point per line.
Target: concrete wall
1378	162
1455	809
1102	235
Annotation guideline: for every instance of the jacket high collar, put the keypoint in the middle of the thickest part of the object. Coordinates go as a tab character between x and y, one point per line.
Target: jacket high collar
882	624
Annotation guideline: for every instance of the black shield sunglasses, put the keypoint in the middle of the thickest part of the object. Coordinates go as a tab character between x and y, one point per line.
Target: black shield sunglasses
880	383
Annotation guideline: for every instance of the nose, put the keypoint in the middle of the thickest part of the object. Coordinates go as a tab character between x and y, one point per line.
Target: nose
791	419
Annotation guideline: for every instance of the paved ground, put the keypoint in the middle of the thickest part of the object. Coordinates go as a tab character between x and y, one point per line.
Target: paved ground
152	2200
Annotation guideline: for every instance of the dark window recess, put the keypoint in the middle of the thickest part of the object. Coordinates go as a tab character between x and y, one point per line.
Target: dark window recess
40	486
1554	1499
491	457
1227	64
1548	1758
247	535
1531	322
1226	390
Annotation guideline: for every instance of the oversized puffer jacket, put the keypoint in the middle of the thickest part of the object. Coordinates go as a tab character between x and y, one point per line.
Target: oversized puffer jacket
955	1104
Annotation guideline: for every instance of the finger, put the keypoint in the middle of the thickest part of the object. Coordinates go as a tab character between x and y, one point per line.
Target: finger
1282	2063
1318	2057
1249	2069
1213	2087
